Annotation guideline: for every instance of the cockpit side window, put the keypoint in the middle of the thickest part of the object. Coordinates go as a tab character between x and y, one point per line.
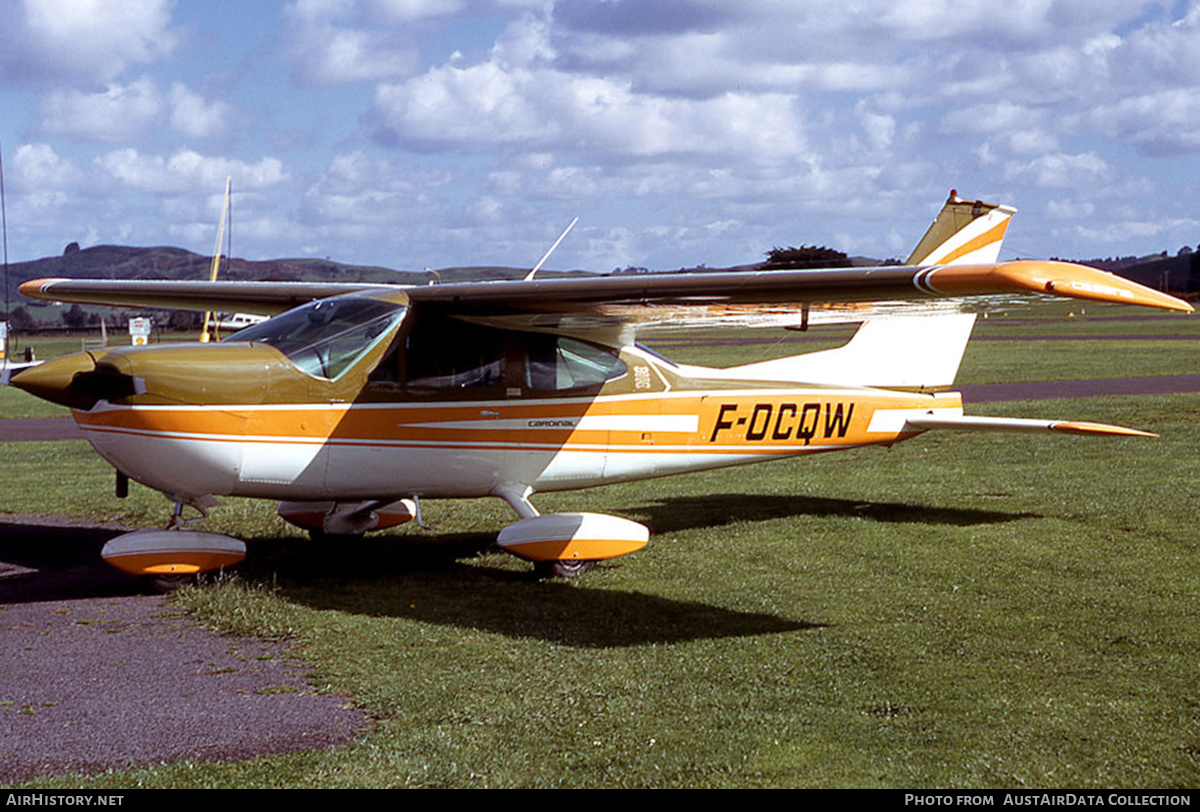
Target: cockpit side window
559	363
325	338
444	356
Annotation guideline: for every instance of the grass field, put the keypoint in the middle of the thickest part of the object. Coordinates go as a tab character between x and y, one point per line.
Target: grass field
960	611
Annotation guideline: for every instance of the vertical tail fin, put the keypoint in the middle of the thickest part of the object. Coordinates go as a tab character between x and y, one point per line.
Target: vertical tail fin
896	352
965	231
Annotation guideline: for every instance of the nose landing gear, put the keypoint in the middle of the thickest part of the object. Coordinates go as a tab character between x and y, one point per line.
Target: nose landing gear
170	558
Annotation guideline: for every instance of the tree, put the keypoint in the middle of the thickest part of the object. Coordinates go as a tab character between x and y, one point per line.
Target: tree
75	318
806	256
19	319
183	320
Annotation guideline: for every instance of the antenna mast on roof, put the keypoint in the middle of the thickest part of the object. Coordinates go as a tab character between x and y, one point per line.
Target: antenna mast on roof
546	256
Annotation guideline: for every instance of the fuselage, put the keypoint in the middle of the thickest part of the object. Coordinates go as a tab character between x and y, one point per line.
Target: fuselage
363	404
450	449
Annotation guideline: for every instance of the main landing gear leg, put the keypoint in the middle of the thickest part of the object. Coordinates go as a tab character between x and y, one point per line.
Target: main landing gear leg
177	522
536	537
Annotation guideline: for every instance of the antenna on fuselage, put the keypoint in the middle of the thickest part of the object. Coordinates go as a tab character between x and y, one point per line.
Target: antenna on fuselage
546	256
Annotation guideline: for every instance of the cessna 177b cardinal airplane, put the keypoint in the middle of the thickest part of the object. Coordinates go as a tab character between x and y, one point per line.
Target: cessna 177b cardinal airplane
356	401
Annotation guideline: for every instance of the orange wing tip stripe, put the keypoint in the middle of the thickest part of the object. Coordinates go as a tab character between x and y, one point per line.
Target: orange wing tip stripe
38	286
1098	428
1047	276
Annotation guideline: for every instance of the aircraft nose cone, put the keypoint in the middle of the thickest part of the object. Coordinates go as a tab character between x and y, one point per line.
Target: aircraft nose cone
77	380
55	380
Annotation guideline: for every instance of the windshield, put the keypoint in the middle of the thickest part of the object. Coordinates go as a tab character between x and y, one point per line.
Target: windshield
324	338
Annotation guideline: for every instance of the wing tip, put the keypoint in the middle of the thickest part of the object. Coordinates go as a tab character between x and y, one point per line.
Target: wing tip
1054	277
35	286
1076	281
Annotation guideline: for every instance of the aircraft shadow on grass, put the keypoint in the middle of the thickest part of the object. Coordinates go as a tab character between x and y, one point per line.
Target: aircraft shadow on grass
435	582
431	579
423	580
675	513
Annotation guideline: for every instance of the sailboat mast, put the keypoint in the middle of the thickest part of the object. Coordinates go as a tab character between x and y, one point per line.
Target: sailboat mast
216	260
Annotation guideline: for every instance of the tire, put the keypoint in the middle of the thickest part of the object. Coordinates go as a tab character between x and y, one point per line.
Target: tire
169	582
562	569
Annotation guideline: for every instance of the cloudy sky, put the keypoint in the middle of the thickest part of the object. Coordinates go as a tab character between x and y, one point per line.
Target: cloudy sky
413	133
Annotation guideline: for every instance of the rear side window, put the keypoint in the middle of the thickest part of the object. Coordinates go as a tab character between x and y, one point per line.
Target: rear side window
558	363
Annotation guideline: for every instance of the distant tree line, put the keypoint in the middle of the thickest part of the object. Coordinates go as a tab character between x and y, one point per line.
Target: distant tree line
21	320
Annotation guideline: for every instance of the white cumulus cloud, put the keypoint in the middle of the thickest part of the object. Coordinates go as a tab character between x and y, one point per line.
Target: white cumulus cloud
486	107
118	113
187	171
83	41
194	116
1061	171
129	112
35	167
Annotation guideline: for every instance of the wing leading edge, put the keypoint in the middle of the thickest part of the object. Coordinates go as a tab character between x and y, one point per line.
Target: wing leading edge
262	298
890	283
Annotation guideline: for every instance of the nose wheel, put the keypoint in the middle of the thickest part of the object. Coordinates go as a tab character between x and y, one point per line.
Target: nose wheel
168	559
169	582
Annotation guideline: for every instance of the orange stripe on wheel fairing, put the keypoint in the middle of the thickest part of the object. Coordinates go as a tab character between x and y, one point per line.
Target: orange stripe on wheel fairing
574	550
185	562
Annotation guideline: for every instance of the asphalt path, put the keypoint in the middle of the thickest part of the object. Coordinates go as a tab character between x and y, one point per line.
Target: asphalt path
1094	388
97	673
39	429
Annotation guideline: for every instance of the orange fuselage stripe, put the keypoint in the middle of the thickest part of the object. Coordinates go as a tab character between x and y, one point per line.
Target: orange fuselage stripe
768	421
